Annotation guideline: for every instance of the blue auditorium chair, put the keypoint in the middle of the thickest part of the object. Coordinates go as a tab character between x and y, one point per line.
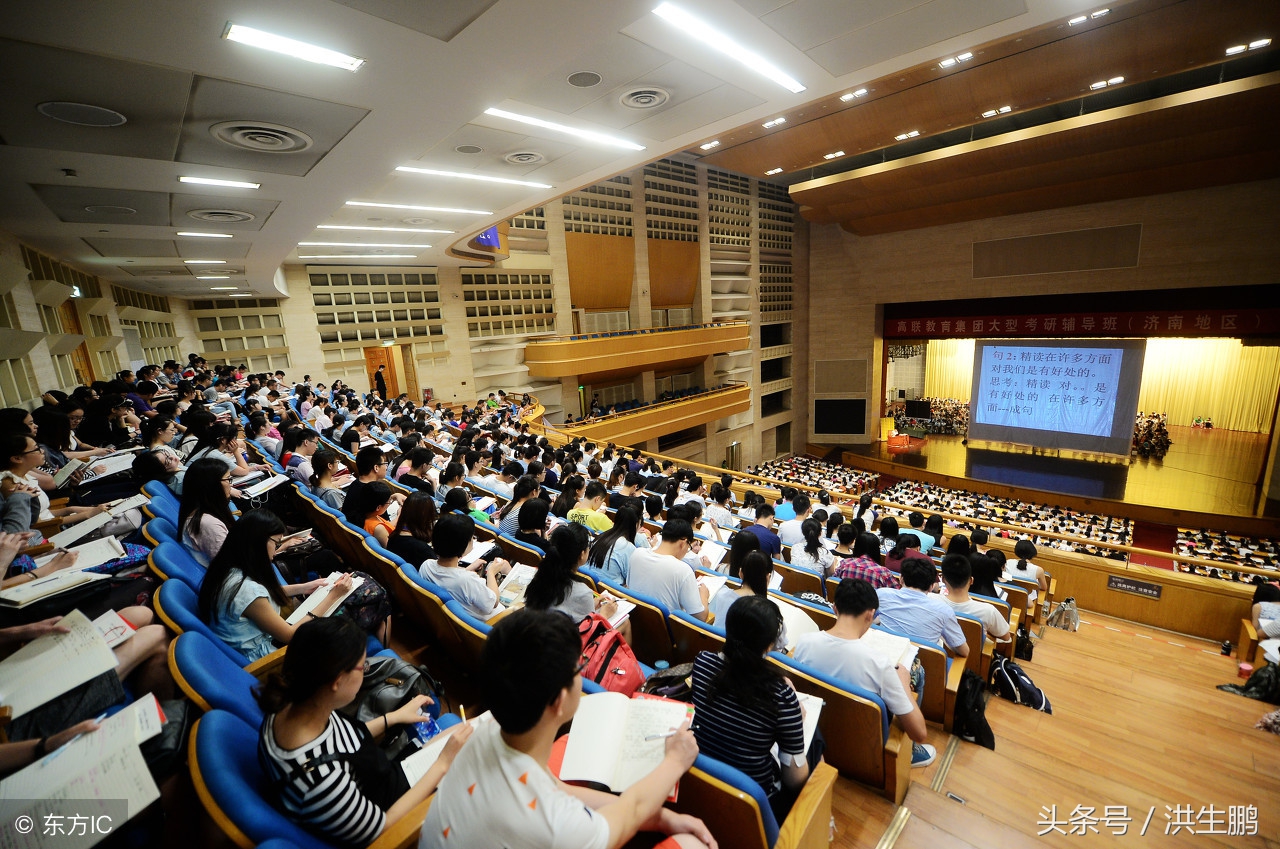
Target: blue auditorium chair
159	530
170	560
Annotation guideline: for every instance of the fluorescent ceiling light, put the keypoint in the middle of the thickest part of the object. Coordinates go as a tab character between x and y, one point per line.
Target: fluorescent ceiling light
223	288
1239	48
773	171
209	181
378	229
585	135
851	95
357	245
1099	84
241	295
710	145
1099	13
204	262
964	57
1262	42
990	113
909	135
718	41
946	63
214	277
291	47
431	172
1078	19
417	208
357	256
769	125
836	155
1005	109
1115	81
194	235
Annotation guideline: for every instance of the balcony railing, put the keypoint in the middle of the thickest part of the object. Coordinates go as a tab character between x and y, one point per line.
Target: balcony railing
655	420
634	350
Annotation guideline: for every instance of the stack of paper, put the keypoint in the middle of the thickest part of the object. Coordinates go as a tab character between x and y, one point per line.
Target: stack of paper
47	667
262	486
89	555
312	601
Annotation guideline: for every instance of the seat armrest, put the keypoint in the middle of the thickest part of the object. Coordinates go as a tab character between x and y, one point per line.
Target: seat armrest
1247	645
55	503
37	550
264	666
897	764
954	674
808	825
404	832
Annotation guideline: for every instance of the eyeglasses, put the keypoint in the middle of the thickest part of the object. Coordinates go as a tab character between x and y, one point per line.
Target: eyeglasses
582	664
227	479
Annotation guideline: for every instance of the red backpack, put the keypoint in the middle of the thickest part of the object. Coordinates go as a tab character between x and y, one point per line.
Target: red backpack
609	660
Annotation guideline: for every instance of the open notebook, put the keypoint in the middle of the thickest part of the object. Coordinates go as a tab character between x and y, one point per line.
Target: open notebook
616	741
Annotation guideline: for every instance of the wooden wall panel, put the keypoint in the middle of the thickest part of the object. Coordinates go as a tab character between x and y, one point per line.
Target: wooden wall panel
673	273
601	270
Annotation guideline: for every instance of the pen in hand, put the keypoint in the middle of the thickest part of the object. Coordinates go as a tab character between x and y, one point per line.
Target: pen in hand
670	733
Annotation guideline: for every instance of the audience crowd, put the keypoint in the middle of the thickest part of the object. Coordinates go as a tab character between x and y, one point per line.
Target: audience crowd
949	416
816	473
1151	435
1228	549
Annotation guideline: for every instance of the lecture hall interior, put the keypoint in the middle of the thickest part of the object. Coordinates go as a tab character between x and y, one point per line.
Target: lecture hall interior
772	239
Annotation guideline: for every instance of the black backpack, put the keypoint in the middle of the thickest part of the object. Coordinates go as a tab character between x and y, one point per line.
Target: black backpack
1010	682
971	712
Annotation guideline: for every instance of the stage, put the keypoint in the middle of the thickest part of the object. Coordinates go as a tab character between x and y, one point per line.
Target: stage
1205	471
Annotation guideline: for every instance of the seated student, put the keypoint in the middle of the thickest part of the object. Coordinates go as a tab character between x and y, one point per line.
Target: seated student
504	481
916	520
328	772
889	534
611	551
630	486
789	531
744	706
554	588
450	477
915	610
533	524
588	511
1025	570
241	598
373	501
784	509
325	465
301	443
460	500
371	465
812	555
499	790
204	516
221	442
762	527
474	586
755	570
1265	612
958	576
936	528
839	653
417	475
411	537
907	545
865	562
508	518
662	573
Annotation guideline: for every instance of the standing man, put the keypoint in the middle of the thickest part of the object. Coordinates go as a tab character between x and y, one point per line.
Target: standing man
380	382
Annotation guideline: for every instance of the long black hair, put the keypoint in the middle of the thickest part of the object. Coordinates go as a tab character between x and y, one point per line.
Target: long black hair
244	549
625	526
751	627
554	581
320	651
202	494
812	530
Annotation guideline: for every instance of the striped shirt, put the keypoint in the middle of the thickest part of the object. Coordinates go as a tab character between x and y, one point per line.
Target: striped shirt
326	800
743	736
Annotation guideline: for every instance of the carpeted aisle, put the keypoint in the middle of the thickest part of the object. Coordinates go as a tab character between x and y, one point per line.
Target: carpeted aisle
1157	537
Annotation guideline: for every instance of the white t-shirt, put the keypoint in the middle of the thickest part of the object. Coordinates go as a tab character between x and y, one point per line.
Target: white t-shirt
495	796
667	579
789	532
1032	573
992	621
467	588
850	660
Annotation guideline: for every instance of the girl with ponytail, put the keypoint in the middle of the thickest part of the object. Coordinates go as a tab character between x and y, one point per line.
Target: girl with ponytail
324	464
554	588
813	555
1025	570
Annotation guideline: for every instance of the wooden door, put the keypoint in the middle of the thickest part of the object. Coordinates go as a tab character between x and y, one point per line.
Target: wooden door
410	374
80	360
374	357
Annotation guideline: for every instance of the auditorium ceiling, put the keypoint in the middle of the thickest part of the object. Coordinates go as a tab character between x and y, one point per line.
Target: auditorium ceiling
108	105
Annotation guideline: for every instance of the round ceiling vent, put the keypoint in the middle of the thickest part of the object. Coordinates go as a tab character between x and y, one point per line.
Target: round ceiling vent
221	216
584	79
261	137
416	222
108	209
469	148
644	98
81	114
524	157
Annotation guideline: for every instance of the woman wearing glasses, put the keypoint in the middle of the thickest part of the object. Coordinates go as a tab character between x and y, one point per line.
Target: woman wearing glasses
330	774
205	514
23	456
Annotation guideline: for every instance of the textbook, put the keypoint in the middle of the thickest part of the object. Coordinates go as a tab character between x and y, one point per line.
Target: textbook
262	486
416	765
713	583
71	533
124	505
811	706
114	464
897	650
64	474
49	666
482	551
797	621
312	601
91	554
511	590
87	778
614	741
41	588
714	552
624	610
483	504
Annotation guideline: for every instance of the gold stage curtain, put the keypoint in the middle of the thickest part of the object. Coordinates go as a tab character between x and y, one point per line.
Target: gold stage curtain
948	369
1233	384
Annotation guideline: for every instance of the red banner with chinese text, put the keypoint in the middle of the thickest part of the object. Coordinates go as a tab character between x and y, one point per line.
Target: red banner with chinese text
1193	323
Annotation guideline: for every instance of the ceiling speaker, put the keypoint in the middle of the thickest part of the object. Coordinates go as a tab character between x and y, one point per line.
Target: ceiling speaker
81	114
584	79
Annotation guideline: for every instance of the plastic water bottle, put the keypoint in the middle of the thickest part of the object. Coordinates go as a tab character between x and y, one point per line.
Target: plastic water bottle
424	730
661	665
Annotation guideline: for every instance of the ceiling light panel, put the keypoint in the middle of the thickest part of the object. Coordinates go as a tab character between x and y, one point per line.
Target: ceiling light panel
836	155
576	132
860	92
709	145
380	229
194	235
210	181
291	47
1260	43
773	171
204	262
907	135
718	41
357	245
776	122
432	172
370	203
357	256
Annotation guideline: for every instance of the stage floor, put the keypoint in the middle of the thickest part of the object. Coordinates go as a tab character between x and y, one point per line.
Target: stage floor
1205	470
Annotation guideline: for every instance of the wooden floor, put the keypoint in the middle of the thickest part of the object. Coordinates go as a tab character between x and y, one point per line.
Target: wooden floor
1213	471
1136	723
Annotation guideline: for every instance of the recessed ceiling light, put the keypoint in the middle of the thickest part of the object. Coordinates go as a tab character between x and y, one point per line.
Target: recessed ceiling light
1005	109
720	42
194	235
585	135
291	47
773	171
1262	42
1115	81
964	57
1078	19
946	63
357	256
204	262
241	295
431	172
379	229
357	245
769	125
851	95
209	181
418	208
908	135
710	145
836	155
1099	84
1239	48
1099	13
990	113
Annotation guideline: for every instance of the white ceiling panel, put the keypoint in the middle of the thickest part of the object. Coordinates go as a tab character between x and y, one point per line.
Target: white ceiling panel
808	23
679	80
215	102
133	247
85	205
616	59
441	21
182	206
151	99
911	30
720	102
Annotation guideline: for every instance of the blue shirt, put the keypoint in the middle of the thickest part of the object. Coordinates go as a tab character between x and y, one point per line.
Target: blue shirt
770	543
784	511
922	615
